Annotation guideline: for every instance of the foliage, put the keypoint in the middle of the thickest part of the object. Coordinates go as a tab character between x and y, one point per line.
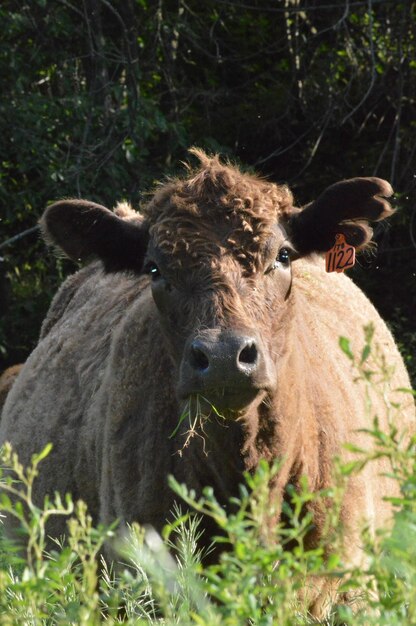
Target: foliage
103	97
262	578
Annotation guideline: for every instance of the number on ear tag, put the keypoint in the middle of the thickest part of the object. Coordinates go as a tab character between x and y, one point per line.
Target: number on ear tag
341	256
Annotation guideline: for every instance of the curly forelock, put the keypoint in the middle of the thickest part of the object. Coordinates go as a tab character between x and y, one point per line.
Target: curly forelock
185	214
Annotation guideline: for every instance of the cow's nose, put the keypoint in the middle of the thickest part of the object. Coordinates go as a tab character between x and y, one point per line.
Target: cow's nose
236	352
226	367
215	360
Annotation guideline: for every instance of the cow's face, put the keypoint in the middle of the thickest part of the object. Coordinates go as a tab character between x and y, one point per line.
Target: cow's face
218	249
221	309
220	269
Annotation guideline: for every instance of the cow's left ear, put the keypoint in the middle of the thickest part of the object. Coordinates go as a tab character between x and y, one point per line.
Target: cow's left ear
84	230
346	208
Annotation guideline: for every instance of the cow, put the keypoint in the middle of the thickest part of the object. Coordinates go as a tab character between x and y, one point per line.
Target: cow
7	379
212	303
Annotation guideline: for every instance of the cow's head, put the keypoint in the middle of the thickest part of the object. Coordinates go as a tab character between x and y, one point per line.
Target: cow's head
218	247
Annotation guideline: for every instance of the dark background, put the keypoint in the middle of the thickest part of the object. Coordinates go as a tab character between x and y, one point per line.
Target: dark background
101	98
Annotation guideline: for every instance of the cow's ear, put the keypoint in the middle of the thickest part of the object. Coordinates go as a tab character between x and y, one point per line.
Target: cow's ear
84	230
346	207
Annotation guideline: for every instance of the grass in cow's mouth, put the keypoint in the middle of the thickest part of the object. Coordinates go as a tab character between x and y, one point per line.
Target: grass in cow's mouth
196	414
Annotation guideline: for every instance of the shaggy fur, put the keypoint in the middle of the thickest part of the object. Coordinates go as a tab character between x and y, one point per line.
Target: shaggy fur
105	383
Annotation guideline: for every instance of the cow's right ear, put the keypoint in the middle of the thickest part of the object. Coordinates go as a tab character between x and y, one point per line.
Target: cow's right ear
84	230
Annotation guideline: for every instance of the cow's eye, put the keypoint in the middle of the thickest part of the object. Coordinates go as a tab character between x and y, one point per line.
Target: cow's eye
152	269
282	260
284	256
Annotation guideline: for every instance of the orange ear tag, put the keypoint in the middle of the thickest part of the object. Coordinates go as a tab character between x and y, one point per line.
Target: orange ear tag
341	256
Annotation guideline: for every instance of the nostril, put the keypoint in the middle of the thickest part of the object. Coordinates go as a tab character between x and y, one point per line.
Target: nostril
248	354
199	359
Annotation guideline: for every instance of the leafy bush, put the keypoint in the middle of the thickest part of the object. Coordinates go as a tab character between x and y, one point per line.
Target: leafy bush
257	580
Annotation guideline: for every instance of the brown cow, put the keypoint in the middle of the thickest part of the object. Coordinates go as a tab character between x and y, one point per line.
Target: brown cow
6	382
212	297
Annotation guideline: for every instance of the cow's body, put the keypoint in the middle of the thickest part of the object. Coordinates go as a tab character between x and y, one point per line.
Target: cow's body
102	386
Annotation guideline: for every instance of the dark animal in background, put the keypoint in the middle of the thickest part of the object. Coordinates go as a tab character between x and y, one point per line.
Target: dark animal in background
6	382
214	295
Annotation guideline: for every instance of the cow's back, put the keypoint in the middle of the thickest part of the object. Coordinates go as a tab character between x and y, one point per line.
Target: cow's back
342	404
330	306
